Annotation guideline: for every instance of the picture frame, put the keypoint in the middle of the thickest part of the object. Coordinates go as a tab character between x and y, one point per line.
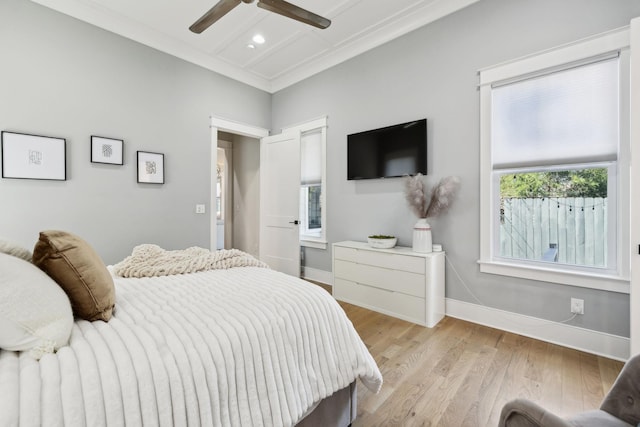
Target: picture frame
107	150
26	156
150	167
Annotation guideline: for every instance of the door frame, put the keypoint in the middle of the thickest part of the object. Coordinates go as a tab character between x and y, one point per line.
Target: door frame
634	110
230	126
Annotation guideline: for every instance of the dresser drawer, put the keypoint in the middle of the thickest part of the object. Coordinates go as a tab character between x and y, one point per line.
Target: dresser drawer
384	278
395	304
381	259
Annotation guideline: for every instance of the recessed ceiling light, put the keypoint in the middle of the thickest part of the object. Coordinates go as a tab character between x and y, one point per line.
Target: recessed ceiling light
258	39
251	46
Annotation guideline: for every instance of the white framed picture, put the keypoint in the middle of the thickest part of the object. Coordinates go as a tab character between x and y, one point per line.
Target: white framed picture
27	156
150	167
106	150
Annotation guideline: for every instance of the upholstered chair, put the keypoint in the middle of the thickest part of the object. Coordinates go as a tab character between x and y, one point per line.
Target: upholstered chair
620	407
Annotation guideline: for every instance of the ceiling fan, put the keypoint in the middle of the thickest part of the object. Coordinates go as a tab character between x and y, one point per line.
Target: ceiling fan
277	6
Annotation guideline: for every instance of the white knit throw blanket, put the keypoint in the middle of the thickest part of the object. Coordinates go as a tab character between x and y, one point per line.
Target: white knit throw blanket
151	260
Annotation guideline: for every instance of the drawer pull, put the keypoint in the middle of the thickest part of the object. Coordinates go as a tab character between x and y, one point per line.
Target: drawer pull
388	291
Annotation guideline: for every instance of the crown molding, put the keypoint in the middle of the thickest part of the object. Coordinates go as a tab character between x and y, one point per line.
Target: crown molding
421	17
131	29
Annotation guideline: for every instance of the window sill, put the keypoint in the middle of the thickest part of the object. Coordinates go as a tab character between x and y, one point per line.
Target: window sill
602	282
313	243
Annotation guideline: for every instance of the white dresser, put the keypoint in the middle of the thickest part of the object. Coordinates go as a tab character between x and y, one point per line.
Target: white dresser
397	282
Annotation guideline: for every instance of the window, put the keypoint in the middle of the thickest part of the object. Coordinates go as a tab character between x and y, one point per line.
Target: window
312	183
552	174
557	215
311	210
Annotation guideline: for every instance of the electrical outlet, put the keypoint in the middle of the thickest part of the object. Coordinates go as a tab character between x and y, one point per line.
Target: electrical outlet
577	306
199	209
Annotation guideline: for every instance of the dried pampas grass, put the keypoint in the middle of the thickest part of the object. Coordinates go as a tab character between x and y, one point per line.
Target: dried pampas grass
415	195
425	205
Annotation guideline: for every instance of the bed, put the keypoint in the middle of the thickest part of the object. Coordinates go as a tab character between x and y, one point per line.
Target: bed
238	346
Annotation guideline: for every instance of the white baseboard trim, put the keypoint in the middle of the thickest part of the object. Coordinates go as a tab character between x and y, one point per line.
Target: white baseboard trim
599	343
316	275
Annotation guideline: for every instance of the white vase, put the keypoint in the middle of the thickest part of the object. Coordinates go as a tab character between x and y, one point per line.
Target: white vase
422	236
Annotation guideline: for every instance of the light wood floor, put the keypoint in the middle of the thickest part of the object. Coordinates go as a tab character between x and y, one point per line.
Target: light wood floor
461	374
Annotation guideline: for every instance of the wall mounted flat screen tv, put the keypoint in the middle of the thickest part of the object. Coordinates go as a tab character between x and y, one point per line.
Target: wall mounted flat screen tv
388	152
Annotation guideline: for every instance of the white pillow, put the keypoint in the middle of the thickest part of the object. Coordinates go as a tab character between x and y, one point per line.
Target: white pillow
35	313
12	248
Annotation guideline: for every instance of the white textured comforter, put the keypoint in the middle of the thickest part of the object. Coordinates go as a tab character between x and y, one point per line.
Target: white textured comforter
245	346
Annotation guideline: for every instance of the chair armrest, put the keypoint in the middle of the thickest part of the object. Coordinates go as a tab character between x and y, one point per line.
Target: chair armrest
623	400
525	413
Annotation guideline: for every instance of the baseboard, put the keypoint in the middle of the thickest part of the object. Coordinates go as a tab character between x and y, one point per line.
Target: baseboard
317	275
599	343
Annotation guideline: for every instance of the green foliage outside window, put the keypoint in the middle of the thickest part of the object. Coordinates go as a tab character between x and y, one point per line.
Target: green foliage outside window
571	183
315	212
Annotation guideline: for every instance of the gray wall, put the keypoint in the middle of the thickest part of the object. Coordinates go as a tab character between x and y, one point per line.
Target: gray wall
432	73
64	78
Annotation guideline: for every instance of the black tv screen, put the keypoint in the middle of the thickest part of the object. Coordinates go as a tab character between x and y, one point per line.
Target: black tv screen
387	152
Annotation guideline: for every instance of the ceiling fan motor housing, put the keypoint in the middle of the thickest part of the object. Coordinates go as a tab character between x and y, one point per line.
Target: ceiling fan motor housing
280	7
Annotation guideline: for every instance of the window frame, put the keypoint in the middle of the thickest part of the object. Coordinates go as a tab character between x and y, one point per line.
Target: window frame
616	278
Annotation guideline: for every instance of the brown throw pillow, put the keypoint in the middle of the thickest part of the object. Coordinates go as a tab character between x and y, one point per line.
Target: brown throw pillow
79	270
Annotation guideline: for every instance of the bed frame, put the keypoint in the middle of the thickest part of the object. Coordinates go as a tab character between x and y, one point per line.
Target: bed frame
337	410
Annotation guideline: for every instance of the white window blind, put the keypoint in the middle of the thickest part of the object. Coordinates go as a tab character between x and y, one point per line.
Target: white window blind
563	117
311	157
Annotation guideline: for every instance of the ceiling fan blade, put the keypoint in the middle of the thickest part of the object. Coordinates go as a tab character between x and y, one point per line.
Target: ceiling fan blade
292	11
216	12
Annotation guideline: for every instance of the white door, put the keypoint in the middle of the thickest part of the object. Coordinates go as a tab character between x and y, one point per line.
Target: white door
279	202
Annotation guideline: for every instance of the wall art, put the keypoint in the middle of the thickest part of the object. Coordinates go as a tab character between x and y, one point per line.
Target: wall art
27	156
106	150
150	167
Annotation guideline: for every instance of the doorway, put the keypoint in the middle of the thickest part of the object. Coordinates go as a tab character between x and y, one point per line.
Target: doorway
239	210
